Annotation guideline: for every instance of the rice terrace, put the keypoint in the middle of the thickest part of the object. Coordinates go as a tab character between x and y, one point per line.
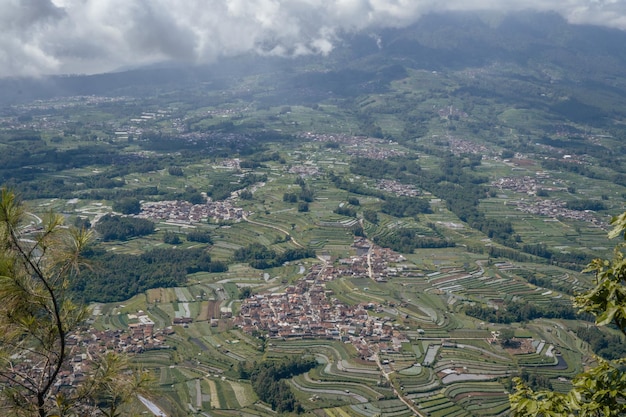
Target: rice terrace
395	228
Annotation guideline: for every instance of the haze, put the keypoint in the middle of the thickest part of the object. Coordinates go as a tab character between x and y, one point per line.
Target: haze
95	36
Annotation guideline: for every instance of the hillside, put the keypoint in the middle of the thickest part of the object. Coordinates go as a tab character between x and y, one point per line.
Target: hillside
385	213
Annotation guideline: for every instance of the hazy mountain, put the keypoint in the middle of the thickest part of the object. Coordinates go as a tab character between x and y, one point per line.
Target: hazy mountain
541	48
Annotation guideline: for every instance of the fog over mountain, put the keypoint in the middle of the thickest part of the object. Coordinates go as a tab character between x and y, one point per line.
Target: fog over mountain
95	36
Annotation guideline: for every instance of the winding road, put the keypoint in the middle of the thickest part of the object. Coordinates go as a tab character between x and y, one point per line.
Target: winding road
398	394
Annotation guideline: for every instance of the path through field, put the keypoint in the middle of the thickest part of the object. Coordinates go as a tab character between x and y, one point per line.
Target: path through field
215	401
154	409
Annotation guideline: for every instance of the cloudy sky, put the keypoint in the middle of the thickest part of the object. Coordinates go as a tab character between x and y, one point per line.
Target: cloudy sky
91	36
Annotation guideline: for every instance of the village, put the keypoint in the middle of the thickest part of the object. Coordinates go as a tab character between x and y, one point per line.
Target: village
304	310
185	213
308	309
554	209
88	344
362	146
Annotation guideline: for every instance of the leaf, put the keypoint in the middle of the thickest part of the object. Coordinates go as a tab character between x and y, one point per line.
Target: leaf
619	223
607	317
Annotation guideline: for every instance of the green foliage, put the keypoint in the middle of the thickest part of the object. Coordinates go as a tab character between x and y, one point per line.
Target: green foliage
176	171
455	183
371	216
127	206
345	211
261	257
113	227
582	205
600	391
307	195
357	230
171	238
405	206
580	169
607	301
354	187
407	240
268	383
517	312
223	187
200	236
608	346
245	292
193	196
116	277
573	258
82	222
37	316
110	384
290	198
546	282
535	380
246	195
506	337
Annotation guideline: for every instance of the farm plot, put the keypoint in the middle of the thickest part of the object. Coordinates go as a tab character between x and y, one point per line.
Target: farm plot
439	405
304	382
386	408
484	398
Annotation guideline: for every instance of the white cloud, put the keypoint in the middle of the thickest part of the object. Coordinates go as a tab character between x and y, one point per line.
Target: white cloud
76	36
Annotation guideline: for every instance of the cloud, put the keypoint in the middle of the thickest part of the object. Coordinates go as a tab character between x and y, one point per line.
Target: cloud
91	36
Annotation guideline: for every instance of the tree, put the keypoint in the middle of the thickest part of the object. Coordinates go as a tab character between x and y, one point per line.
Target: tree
506	337
171	238
36	314
371	216
176	171
600	391
245	292
303	207
127	206
202	236
290	197
110	385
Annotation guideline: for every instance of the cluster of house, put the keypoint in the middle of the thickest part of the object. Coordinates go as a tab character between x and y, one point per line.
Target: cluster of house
371	260
371	151
556	209
363	146
183	212
308	309
397	188
460	146
88	343
231	163
550	208
304	170
527	184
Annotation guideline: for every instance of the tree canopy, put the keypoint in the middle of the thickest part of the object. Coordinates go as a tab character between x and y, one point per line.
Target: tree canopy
37	316
601	390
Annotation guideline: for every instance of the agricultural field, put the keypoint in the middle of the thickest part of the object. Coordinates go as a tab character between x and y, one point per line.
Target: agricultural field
390	236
